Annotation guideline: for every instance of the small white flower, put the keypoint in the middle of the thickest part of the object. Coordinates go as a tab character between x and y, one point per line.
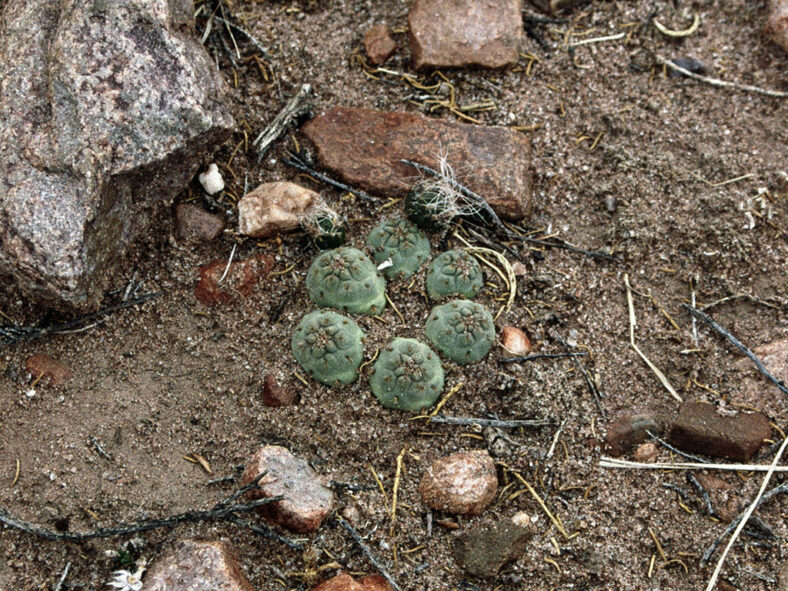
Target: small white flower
212	180
127	581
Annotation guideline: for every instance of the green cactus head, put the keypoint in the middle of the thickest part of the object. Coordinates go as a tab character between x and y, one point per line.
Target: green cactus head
407	375
403	243
345	278
328	347
455	272
429	206
325	226
462	330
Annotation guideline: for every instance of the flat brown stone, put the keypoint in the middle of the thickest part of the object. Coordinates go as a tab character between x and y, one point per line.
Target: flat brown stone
344	582
777	25
276	395
379	45
458	33
629	429
239	282
190	565
364	148
45	369
700	429
306	501
483	549
192	222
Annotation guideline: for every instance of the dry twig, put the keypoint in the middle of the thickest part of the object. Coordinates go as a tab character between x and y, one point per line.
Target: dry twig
721	83
296	107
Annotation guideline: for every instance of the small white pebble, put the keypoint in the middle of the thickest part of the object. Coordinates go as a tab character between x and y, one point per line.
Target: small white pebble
212	180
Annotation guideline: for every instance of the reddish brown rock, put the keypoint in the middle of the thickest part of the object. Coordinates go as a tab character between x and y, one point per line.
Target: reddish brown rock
364	148
379	45
777	25
190	565
47	370
515	341
458	33
239	282
273	208
306	501
646	452
194	223
628	430
483	549
699	429
463	483
276	395
344	582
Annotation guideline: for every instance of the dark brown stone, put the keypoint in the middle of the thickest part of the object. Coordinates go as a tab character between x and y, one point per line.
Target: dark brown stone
629	430
379	45
194	223
306	501
276	395
364	148
192	564
483	549
47	370
458	33
241	279
700	429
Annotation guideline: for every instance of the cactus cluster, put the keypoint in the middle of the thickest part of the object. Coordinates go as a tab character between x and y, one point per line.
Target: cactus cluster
345	278
328	347
407	375
454	273
401	242
462	330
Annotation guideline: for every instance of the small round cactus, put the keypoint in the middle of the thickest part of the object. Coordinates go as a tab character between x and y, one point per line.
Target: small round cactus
426	205
462	330
345	278
328	347
403	243
455	272
325	226
407	376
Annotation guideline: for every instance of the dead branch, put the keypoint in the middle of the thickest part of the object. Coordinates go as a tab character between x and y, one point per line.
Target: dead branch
296	107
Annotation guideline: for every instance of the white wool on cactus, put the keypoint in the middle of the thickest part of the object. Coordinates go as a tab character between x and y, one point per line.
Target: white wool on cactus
212	180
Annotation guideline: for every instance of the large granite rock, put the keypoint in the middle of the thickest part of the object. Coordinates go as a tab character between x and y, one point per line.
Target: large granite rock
105	108
364	148
192	565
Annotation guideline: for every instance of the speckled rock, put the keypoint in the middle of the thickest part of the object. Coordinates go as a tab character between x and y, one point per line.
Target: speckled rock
240	281
698	428
193	223
47	370
192	565
774	356
306	501
105	108
364	148
646	452
379	45
457	33
483	549
777	24
273	208
463	483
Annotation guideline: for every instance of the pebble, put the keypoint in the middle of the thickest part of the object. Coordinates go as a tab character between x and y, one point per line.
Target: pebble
698	428
193	564
211	180
276	395
463	483
483	549
241	279
194	223
460	33
519	269
306	501
646	452
515	341
365	148
629	429
782	578
273	208
344	582
49	370
777	24
379	44
688	63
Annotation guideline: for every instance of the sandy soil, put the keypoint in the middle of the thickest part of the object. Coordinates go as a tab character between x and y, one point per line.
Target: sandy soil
173	377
